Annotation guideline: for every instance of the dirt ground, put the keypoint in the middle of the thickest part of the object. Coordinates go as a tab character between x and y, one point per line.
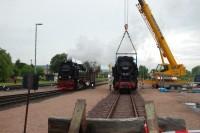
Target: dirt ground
171	104
167	104
12	120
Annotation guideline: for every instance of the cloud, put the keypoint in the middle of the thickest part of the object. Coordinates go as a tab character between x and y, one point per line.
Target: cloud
91	50
96	50
92	30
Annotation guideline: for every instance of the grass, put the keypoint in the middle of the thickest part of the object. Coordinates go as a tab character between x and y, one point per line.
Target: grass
9	84
20	83
42	82
101	79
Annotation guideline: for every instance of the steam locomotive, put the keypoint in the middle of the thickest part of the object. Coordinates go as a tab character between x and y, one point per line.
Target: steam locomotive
125	73
74	76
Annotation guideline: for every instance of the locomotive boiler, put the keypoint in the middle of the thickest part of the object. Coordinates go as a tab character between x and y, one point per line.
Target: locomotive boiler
125	74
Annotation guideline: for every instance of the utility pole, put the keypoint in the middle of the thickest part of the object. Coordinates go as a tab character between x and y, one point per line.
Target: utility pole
36	45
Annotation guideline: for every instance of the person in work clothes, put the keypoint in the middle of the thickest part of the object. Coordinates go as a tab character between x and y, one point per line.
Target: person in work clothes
110	81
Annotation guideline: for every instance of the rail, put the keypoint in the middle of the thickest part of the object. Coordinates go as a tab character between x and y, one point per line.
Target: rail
134	106
113	107
126	106
6	101
9	100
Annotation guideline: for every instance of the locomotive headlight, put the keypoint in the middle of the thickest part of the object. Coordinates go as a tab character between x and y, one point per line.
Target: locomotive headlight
59	77
69	77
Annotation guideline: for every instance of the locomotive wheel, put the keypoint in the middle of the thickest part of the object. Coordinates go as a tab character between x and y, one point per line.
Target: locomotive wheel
76	85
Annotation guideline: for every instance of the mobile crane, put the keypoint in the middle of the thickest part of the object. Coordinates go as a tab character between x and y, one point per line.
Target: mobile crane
163	71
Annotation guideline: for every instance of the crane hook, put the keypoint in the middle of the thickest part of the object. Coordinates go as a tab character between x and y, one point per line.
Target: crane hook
126	27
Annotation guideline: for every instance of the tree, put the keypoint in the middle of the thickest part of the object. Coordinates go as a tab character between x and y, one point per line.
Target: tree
21	68
26	69
56	61
5	65
17	66
16	71
40	71
18	63
143	72
196	70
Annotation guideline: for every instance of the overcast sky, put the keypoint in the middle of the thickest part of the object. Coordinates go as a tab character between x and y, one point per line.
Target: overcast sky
91	29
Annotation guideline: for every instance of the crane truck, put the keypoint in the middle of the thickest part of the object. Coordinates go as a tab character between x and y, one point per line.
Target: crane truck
165	74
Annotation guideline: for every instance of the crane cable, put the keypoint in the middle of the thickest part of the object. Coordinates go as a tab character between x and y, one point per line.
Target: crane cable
126	10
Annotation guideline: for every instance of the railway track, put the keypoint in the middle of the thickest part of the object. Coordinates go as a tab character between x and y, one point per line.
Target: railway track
10	100
20	87
119	106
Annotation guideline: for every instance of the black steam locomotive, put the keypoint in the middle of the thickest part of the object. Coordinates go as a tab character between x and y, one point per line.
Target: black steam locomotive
125	74
72	76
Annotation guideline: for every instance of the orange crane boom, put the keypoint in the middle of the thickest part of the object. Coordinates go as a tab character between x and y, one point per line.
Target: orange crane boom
171	69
